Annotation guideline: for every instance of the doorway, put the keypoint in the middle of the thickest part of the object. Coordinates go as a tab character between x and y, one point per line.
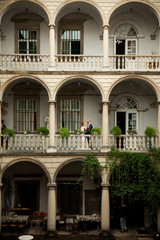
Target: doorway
120	50
121	121
27	194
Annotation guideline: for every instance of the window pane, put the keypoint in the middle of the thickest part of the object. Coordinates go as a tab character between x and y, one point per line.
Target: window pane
70	113
27	42
70	41
26	114
22	47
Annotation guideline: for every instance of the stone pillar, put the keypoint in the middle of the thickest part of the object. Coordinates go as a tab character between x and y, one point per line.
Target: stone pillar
158	124
52	48
0	205
0	120
51	218
105	47
105	124
52	147
105	208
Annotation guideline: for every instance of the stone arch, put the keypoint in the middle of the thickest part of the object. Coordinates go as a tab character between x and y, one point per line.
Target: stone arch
63	165
28	77
37	162
8	5
97	8
150	82
78	77
157	12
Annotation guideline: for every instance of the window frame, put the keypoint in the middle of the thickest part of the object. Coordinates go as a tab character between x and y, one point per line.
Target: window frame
70	25
15	110
59	110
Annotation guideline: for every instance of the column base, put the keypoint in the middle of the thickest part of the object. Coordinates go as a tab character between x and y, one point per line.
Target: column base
51	234
107	234
105	148
51	149
52	68
105	68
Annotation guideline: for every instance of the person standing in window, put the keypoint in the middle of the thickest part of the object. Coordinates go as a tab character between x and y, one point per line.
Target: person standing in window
3	126
88	130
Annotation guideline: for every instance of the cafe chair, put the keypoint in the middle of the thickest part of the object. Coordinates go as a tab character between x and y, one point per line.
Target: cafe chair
35	219
62	222
41	218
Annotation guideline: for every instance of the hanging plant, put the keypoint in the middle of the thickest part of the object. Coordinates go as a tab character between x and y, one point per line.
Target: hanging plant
134	176
90	166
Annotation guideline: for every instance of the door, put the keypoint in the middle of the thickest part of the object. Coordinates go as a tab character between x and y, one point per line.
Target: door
120	50
121	121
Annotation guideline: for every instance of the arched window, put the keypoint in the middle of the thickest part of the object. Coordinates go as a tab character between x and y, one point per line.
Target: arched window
126	103
126	40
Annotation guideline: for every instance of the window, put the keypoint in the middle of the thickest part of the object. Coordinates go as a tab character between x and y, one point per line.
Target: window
70	41
70	113
26	114
27	41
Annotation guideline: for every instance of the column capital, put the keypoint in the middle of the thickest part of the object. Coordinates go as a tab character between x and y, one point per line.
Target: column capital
51	26
51	186
51	101
105	102
105	185
106	27
1	185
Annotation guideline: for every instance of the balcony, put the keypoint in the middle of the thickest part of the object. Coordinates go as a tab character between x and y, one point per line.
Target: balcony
39	143
41	62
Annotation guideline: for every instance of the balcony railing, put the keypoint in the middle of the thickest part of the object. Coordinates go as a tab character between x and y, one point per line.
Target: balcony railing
132	142
39	62
40	143
24	62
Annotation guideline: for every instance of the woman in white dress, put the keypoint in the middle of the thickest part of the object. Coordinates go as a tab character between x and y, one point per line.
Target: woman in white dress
83	128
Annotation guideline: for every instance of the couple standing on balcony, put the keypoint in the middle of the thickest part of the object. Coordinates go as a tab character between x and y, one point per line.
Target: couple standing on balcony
86	130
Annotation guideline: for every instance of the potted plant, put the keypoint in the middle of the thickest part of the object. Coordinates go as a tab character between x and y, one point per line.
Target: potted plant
8	131
25	131
42	130
132	131
64	133
77	131
96	131
149	133
116	131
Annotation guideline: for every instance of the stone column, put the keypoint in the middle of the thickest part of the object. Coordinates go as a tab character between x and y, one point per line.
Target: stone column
0	205
0	120
105	47
52	66
105	123
52	147
51	218
158	124
105	208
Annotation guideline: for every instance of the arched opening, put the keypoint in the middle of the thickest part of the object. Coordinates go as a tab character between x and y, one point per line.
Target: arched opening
24	188
78	201
133	105
25	105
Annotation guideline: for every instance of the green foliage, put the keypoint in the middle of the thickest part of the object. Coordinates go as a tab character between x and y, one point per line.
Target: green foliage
135	176
132	131
96	131
149	133
90	166
8	131
116	131
78	131
42	130
64	133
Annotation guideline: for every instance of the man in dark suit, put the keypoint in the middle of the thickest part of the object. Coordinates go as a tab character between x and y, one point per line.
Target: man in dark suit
88	130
